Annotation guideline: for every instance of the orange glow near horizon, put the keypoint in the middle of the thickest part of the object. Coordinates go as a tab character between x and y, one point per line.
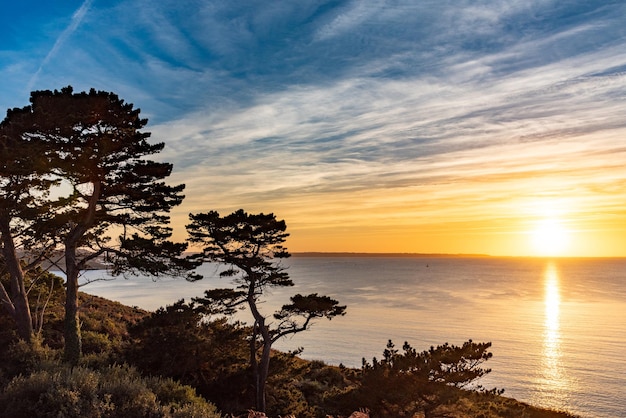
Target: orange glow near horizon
470	207
516	231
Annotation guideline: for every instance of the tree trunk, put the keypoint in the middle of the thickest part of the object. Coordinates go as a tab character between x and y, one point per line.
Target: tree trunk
263	372
254	364
23	317
18	305
260	370
72	349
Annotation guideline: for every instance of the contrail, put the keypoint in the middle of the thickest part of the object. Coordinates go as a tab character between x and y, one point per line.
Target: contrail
77	18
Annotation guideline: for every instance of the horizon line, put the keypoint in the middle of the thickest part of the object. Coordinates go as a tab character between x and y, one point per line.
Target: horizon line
426	255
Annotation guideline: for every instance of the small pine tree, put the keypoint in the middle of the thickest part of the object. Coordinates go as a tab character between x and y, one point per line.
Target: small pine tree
252	245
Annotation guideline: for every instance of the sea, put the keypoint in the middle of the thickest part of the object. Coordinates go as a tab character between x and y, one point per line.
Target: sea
557	326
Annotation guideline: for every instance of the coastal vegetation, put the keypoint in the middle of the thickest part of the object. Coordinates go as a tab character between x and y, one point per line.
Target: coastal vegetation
76	189
174	362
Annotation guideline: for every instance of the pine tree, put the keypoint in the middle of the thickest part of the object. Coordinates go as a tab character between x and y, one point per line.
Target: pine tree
252	245
113	202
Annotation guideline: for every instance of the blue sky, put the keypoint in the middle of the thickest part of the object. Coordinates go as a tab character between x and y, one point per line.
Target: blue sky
426	126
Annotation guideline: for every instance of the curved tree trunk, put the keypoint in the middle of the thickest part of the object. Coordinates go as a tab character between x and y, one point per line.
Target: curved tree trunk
260	369
17	305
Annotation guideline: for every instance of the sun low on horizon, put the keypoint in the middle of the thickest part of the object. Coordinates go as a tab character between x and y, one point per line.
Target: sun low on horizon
550	233
550	238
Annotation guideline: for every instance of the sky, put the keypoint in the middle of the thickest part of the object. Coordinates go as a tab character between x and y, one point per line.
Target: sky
429	126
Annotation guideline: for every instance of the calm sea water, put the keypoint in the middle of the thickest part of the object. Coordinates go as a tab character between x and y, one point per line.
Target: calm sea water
557	326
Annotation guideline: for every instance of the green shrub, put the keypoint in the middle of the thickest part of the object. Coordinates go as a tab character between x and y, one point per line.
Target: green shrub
170	392
23	358
212	356
53	394
412	382
118	391
95	342
129	393
179	400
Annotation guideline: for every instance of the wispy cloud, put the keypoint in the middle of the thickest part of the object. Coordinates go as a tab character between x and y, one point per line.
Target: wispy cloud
416	151
77	18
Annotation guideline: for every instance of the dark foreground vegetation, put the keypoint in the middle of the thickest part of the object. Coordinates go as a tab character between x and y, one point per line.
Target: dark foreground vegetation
172	363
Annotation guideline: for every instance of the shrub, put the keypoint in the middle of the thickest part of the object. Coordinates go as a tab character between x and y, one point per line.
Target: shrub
96	342
412	382
113	392
179	400
180	343
22	358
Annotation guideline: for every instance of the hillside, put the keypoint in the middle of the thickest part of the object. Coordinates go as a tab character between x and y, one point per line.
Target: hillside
211	357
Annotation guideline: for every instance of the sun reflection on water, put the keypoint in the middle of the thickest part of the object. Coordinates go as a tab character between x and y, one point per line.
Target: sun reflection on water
551	343
553	381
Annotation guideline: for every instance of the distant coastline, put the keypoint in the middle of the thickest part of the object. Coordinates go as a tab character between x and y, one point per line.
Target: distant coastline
390	255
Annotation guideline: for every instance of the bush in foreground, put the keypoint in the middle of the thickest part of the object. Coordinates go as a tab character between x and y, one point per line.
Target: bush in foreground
114	392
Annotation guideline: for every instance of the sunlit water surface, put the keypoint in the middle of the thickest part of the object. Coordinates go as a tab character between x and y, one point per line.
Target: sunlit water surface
557	326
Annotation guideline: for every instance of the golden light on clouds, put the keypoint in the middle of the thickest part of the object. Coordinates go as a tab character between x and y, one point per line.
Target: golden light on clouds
525	182
525	165
469	205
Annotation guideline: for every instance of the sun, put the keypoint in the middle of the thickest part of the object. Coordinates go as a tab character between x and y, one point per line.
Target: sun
550	237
